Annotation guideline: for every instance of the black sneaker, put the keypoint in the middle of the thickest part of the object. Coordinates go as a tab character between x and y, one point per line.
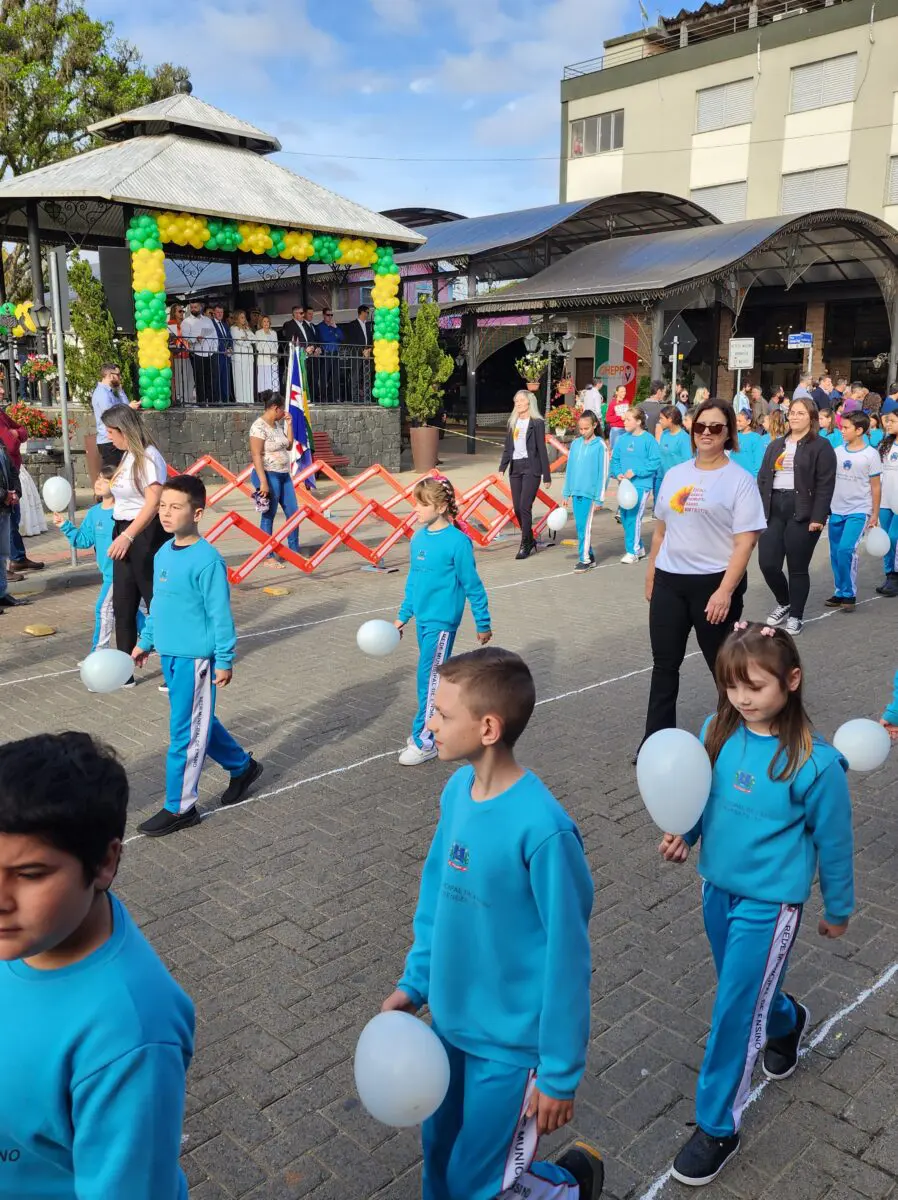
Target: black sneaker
889	586
781	1054
240	784
130	683
584	566
833	602
703	1158
166	822
848	603
585	1164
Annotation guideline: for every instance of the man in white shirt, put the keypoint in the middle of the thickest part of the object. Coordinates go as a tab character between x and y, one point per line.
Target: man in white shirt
202	339
803	391
591	398
108	394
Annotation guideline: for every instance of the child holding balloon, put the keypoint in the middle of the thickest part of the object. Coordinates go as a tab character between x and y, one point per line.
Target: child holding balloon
443	575
585	479
635	457
501	951
779	808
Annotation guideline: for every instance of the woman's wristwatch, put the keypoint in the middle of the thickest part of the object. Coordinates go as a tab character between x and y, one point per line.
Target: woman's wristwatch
128	536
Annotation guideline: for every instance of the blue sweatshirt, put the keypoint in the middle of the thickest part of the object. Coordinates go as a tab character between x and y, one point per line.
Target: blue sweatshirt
636	452
764	839
501	951
673	449
190	616
834	437
93	1063
586	472
891	712
750	454
441	577
95	530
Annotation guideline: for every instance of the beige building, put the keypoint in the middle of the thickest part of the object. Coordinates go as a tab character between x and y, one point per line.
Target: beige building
751	109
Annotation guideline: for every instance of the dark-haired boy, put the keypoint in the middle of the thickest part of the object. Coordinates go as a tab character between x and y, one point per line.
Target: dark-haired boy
501	951
97	1036
191	626
854	508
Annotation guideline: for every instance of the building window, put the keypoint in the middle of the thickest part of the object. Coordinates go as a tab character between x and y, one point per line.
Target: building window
597	135
892	192
809	191
727	201
819	84
720	107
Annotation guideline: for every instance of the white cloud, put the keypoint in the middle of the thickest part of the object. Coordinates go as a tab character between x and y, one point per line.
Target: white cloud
398	14
420	86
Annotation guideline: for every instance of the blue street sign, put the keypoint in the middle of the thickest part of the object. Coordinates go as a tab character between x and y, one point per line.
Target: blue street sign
798	341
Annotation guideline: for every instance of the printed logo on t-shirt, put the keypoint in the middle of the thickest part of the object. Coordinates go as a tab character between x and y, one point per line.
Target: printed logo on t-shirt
679	498
745	781
163	576
421	556
846	464
780	462
459	857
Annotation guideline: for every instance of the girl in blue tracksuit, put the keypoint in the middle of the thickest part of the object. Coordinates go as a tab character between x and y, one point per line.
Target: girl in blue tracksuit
828	428
888	505
585	479
674	445
96	531
635	457
779	810
441	577
752	446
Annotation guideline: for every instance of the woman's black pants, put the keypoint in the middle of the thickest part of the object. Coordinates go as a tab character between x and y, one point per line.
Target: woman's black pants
677	607
132	581
523	493
786	538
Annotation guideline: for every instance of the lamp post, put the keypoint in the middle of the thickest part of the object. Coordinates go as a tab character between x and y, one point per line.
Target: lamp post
44	320
549	343
41	316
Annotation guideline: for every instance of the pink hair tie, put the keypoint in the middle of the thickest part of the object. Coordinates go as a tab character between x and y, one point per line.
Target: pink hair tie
767	631
740	625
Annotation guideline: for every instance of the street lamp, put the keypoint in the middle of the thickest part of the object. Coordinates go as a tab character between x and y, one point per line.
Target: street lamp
42	317
543	340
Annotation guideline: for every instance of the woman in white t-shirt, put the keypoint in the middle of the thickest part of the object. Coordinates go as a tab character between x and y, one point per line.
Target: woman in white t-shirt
527	462
709	516
136	487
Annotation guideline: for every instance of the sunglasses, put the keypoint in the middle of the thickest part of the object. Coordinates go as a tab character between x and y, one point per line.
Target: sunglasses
715	428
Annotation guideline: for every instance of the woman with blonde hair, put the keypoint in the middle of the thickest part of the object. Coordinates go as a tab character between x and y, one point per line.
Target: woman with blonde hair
527	462
267	379
136	488
242	357
701	395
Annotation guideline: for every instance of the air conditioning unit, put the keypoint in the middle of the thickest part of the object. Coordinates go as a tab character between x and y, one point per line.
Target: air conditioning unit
792	12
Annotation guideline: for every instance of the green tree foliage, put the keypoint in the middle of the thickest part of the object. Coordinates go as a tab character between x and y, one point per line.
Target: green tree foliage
94	339
59	72
425	366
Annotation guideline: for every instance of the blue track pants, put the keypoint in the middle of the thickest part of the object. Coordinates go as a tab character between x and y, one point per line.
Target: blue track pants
479	1144
751	941
844	535
583	507
195	731
631	519
889	521
434	647
104	617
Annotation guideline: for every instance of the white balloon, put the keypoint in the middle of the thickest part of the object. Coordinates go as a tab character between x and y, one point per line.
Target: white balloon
627	495
673	772
106	670
557	519
864	743
377	638
401	1069
877	542
57	492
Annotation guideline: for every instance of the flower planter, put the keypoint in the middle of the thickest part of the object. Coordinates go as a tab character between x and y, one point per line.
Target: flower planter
37	446
532	385
425	440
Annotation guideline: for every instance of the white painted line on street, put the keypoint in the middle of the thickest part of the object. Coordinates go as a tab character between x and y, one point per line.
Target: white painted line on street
32	678
657	1187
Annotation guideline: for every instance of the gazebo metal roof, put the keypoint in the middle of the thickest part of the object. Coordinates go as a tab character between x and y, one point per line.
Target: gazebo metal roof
184	112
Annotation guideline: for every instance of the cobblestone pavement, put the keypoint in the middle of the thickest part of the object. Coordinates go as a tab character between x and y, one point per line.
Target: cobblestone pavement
287	919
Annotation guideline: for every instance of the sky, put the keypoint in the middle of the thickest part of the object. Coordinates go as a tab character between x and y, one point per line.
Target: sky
360	91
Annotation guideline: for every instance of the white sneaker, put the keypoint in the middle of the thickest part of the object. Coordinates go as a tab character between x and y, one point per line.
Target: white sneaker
630	558
413	756
793	626
163	687
641	552
779	615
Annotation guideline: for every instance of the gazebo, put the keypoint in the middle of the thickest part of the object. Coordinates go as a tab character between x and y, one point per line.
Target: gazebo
185	178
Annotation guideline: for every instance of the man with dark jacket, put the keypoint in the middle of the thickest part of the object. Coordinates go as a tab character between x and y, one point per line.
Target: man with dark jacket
359	335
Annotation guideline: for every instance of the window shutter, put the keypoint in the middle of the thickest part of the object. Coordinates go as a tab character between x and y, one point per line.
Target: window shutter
725	105
809	191
738	105
711	109
893	181
831	81
727	201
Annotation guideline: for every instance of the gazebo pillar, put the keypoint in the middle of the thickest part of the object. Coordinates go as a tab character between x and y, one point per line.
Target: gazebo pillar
9	369
37	281
470	323
235	284
304	284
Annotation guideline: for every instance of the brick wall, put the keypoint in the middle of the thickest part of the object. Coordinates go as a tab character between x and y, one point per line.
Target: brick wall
815	323
726	380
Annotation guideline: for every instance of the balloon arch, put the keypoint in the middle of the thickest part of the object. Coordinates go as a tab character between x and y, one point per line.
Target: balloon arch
148	231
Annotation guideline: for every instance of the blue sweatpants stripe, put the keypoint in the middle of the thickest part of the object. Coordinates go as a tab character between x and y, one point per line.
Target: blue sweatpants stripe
631	519
434	647
844	535
583	507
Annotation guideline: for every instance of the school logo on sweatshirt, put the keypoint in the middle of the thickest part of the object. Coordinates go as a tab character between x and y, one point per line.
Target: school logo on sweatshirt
163	576
459	857
745	782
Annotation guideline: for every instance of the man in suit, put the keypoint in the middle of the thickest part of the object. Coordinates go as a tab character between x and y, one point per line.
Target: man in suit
221	359
295	331
358	334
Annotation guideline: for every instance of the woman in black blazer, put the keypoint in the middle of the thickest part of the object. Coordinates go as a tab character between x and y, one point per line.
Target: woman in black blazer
526	460
796	482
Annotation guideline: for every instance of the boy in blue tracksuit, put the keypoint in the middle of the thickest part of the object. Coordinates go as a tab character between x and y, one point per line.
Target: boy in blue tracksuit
779	809
635	457
442	576
97	1035
501	951
191	626
585	479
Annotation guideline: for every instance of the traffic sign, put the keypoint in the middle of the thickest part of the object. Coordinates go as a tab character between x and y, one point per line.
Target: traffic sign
742	354
686	339
798	341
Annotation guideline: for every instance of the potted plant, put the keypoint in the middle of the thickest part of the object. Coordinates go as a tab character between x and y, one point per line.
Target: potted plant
562	419
425	368
39	366
42	429
531	368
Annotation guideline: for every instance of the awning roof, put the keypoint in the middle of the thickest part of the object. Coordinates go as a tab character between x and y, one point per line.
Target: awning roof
822	247
185	113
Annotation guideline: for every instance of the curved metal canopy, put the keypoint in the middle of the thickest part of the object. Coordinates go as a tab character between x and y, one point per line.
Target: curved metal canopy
832	246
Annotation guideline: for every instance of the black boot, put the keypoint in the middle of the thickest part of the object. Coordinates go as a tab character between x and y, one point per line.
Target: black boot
889	586
526	546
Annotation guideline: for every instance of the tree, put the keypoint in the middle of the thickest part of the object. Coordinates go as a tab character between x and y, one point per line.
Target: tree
60	71
94	339
425	366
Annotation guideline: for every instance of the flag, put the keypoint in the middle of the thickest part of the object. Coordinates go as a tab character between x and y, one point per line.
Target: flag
298	411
